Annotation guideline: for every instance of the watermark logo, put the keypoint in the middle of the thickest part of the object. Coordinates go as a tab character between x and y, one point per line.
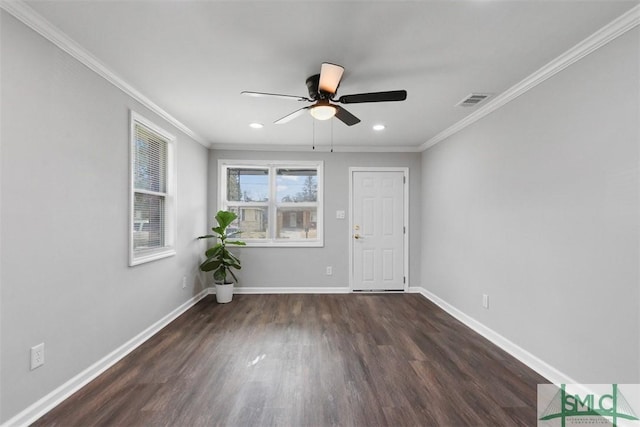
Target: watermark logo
614	405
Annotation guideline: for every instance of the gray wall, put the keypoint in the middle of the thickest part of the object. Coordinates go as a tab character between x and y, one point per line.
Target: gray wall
293	267
64	220
537	206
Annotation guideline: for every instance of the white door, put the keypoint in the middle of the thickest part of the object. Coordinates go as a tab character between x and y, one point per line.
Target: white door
378	230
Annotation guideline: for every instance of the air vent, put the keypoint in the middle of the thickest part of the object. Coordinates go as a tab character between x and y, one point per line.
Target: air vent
473	99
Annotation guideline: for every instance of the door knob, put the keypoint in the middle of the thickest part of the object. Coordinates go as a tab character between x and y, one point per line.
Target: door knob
356	236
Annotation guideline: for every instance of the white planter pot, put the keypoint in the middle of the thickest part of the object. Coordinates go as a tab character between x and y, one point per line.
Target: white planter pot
224	293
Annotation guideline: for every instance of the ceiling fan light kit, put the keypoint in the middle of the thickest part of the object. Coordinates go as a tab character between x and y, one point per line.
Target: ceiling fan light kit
322	91
322	110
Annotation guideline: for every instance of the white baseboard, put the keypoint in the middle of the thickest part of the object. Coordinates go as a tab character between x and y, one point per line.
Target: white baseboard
286	290
53	399
541	367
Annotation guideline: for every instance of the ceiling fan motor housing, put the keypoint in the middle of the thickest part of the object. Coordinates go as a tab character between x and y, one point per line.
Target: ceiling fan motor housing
314	93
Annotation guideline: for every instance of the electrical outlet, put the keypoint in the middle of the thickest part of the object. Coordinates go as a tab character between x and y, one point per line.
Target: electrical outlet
37	356
184	282
485	301
329	270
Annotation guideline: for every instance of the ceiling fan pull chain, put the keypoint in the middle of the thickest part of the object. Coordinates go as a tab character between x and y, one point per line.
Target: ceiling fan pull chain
332	136
313	135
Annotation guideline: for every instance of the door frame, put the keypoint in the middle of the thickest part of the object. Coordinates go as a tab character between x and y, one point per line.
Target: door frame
405	172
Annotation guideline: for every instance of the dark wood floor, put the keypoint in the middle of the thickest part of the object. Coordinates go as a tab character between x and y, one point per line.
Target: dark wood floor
310	360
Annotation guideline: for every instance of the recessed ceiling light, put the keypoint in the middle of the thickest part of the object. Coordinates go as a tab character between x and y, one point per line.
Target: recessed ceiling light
378	127
256	125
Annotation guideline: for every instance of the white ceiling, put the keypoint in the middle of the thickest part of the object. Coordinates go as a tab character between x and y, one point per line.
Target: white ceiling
193	58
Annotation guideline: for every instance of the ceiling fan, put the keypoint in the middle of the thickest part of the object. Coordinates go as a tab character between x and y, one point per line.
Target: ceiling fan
322	91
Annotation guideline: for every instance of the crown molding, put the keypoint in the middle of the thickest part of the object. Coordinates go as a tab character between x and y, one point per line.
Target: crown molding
609	32
23	12
318	149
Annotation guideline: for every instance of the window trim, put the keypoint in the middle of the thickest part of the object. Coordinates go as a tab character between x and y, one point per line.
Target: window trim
170	226
272	204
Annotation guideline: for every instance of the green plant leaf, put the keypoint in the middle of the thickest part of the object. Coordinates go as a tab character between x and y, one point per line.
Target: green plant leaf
210	264
219	230
234	265
233	257
228	257
208	236
212	251
225	218
220	275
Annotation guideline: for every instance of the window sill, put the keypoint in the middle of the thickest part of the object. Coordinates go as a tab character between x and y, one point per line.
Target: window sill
151	255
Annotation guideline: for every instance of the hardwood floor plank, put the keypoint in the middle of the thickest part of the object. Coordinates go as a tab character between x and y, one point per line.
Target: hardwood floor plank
309	360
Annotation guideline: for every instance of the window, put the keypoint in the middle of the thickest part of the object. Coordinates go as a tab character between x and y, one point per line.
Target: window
152	206
278	203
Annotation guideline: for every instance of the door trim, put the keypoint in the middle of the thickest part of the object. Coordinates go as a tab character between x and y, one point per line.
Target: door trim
405	172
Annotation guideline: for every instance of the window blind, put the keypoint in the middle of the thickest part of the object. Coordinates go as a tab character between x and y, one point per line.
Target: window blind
150	160
150	188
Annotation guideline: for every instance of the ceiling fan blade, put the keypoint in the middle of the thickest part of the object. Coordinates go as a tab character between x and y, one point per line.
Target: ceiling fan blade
330	76
291	116
275	95
346	117
393	95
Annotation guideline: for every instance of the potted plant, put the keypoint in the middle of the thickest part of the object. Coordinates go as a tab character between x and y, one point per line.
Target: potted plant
219	259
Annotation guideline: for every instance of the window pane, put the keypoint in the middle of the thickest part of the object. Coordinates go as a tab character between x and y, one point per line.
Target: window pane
296	185
150	162
252	221
297	223
247	185
148	221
